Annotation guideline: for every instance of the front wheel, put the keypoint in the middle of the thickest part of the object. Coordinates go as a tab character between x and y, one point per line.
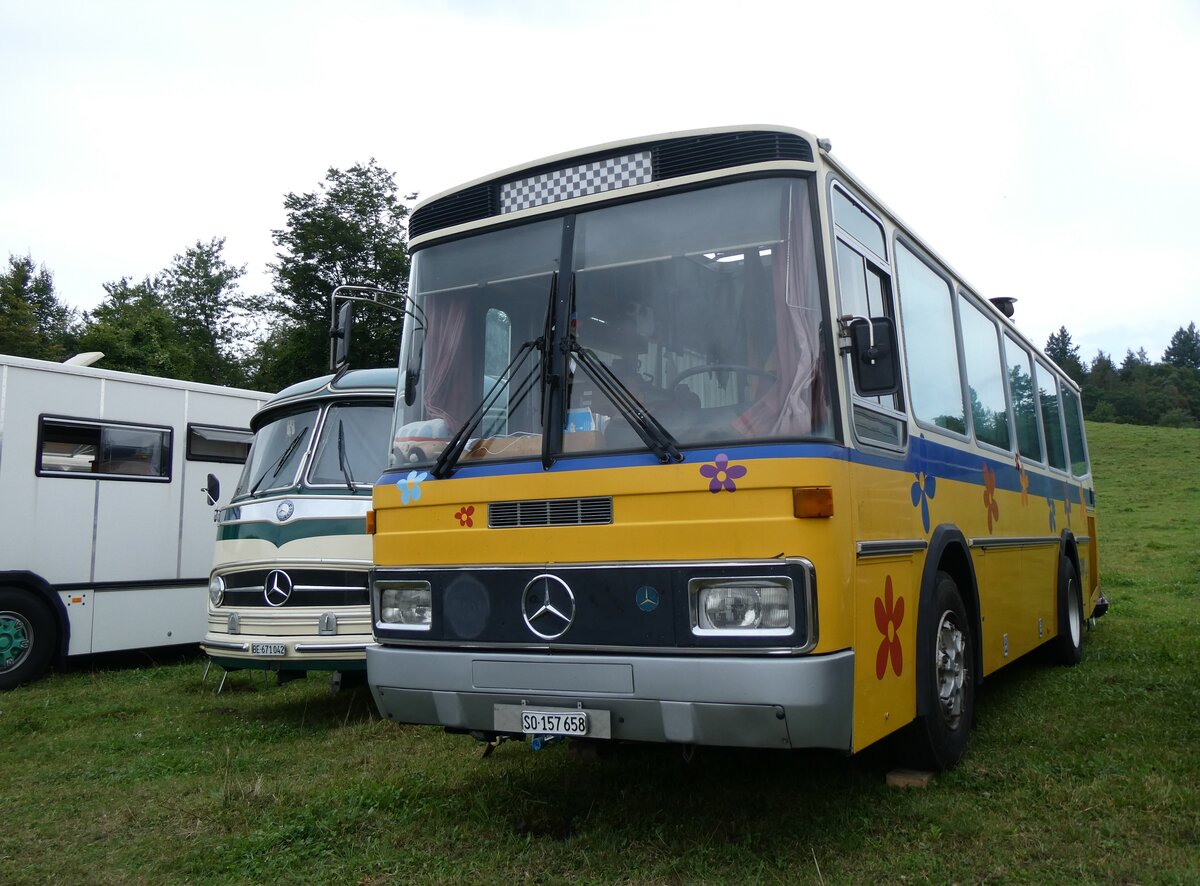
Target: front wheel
1067	647
937	739
27	637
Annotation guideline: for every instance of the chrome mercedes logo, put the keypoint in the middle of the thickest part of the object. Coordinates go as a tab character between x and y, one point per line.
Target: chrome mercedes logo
277	589
548	606
284	511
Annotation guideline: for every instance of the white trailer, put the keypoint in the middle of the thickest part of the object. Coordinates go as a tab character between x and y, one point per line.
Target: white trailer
106	527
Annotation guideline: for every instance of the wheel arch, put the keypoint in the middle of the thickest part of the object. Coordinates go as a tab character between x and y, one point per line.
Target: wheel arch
34	584
947	552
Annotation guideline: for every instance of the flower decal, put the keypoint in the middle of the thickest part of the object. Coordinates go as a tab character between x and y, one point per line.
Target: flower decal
721	474
1024	481
410	487
465	515
1082	501
1053	514
989	497
1067	502
923	489
889	614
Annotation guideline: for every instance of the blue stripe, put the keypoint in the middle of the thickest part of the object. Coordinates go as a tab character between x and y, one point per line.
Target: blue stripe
923	456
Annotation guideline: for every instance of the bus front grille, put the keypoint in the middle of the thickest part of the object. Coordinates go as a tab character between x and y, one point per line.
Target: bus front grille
550	512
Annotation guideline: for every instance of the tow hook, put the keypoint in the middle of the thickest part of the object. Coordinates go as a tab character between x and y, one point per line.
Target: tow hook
541	741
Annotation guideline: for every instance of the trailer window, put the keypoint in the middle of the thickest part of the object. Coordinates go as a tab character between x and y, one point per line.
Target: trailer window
210	443
101	450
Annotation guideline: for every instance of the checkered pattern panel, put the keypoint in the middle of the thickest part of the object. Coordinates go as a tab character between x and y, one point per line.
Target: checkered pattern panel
578	181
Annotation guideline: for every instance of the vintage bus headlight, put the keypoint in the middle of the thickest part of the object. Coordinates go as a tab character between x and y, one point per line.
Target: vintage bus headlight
750	606
407	606
216	591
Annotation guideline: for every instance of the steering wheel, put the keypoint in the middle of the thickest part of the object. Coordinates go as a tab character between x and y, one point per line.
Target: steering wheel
720	367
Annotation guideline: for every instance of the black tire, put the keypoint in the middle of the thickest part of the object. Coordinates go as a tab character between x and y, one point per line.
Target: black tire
1067	647
28	637
937	739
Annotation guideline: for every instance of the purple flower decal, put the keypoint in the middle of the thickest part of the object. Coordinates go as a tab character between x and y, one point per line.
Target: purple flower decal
721	474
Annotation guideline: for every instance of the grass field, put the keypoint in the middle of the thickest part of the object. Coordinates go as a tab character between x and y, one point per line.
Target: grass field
141	773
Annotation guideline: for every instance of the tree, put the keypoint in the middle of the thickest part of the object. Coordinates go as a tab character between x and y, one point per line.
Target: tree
1060	349
33	322
1184	349
350	231
136	331
199	289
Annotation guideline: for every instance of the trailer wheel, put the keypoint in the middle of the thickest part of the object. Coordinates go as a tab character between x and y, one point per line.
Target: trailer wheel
1067	647
938	738
28	634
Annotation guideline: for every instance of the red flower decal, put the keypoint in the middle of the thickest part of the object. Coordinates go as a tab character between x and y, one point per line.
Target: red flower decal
464	515
889	614
989	497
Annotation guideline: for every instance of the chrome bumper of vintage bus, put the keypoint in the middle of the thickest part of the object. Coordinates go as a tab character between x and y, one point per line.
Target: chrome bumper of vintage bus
741	701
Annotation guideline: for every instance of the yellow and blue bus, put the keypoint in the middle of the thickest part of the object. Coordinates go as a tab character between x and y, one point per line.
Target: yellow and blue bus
697	442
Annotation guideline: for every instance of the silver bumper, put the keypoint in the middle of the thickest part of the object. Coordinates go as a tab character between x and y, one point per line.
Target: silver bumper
767	701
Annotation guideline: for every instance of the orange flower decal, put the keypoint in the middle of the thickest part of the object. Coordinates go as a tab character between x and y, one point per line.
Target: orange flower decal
989	497
1024	481
464	515
889	614
1082	500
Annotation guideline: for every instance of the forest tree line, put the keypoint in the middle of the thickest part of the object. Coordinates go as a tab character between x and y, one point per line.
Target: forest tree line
191	320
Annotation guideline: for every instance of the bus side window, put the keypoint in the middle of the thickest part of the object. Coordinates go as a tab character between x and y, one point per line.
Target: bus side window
985	375
934	376
1020	391
1047	386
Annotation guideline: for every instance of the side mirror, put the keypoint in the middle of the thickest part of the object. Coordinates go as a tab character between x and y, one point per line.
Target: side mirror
873	349
212	489
339	355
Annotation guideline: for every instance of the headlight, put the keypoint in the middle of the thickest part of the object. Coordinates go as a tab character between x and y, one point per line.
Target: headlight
216	590
408	606
754	606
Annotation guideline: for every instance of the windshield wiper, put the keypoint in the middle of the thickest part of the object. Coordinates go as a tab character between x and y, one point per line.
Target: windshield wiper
444	466
343	462
656	437
276	466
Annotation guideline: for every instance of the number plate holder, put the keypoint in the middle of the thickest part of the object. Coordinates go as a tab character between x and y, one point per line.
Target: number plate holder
547	720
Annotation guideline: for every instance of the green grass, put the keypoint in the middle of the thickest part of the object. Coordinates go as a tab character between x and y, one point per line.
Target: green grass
141	774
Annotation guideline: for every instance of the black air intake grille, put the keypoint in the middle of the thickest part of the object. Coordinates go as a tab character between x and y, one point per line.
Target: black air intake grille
672	158
550	512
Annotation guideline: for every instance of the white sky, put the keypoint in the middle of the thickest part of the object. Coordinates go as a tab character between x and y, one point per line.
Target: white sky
1049	150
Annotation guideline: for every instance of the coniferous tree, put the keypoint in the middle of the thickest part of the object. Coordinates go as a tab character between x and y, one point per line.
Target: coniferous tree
1184	349
33	322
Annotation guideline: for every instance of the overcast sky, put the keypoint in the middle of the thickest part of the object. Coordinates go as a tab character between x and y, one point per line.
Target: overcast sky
1049	151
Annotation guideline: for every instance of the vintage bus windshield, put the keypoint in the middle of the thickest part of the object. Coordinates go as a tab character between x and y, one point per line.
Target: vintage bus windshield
705	305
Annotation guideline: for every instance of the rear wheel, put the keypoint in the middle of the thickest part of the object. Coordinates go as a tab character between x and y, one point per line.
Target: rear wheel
28	634
1067	647
937	739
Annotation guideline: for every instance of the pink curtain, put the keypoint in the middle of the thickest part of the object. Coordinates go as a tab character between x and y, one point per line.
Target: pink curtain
453	359
796	405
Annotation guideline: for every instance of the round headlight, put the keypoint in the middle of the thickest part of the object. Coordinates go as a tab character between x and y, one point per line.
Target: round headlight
216	590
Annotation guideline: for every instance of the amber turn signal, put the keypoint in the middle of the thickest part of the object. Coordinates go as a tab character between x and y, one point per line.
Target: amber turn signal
812	501
371	522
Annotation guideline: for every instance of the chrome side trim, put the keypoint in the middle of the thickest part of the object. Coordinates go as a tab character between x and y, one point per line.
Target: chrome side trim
890	547
340	647
220	644
1031	541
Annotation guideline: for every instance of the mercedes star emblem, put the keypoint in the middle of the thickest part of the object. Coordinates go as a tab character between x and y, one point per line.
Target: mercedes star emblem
277	588
285	510
548	606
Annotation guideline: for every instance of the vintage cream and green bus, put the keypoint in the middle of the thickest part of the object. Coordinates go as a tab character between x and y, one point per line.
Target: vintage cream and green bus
697	442
288	588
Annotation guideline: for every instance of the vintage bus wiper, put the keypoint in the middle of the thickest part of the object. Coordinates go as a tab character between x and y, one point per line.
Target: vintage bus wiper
276	466
650	429
343	462
444	466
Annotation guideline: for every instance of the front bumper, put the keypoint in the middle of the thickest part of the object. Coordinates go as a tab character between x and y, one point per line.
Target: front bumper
769	701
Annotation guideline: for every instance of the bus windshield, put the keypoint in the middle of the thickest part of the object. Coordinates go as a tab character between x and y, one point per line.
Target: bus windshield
704	305
277	452
353	448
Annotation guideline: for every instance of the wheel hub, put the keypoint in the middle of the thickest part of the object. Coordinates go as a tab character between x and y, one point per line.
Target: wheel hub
16	635
951	668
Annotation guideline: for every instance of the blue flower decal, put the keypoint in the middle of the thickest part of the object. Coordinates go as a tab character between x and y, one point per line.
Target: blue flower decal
1053	514
410	487
923	489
